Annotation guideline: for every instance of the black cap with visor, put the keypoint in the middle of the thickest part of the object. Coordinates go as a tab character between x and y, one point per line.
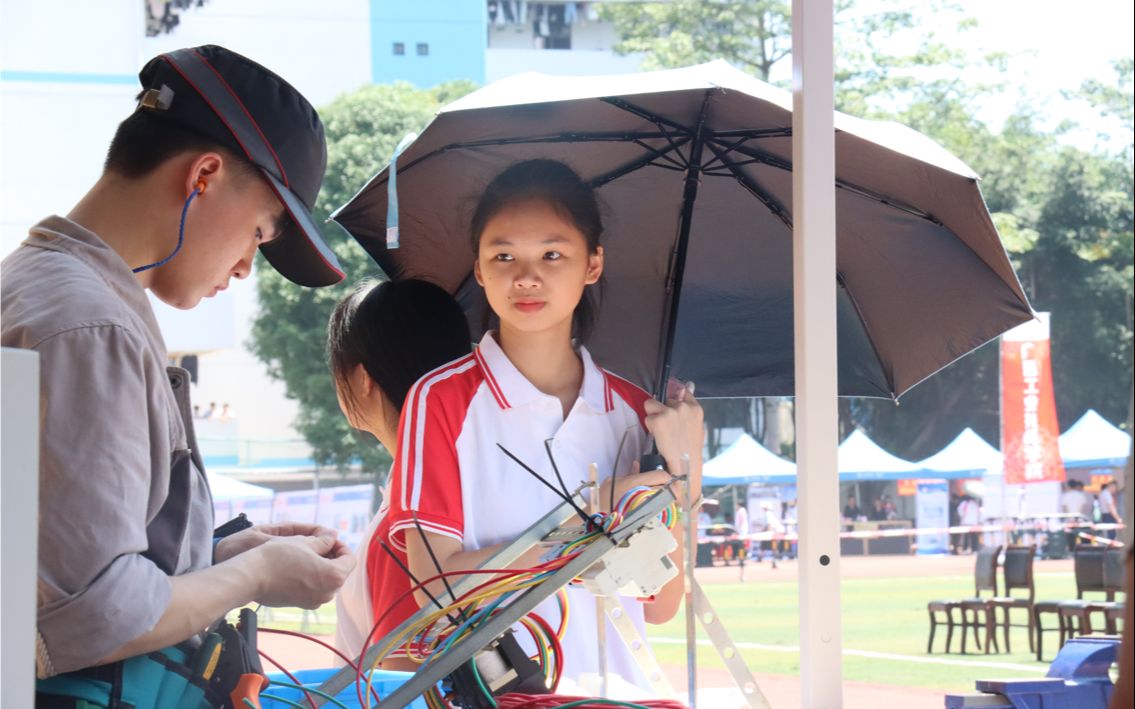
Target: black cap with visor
248	109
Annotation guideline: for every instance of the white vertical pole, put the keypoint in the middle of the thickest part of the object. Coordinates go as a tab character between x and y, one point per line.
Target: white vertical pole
19	522
814	304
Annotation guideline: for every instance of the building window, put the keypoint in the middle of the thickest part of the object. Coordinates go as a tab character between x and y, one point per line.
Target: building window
399	49
423	49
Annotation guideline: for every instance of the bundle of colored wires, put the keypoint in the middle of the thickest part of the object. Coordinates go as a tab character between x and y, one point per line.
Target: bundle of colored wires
443	627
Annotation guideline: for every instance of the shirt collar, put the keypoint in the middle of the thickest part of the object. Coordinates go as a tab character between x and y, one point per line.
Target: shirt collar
510	388
57	233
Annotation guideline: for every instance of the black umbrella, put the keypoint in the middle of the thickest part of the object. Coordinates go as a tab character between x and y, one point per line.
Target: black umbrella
694	168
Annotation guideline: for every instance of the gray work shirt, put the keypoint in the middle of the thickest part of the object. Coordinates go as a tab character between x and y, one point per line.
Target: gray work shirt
123	501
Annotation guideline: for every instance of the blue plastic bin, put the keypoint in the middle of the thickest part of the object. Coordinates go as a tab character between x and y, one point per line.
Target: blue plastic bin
384	682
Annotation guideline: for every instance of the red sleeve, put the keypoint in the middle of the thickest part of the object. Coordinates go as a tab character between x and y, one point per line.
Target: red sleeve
426	477
632	395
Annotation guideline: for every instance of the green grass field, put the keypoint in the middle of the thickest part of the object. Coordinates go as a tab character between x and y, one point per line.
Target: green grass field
880	615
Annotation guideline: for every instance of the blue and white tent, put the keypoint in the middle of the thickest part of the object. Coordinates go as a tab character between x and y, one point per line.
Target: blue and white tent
860	458
967	456
1092	442
747	461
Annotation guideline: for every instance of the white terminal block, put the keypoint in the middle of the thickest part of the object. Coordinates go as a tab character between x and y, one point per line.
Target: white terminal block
639	567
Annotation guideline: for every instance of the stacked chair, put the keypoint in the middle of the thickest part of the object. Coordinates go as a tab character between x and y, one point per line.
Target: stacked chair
977	612
1098	570
1018	575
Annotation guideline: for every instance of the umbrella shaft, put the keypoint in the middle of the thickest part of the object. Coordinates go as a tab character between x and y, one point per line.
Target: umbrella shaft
678	263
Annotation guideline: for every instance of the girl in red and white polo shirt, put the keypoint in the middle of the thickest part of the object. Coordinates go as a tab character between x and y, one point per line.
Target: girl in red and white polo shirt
373	371
536	236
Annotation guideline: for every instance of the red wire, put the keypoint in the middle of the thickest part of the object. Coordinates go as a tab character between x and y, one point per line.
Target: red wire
330	647
514	700
289	675
410	592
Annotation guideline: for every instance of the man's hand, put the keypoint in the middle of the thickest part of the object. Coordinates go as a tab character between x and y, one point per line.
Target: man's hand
253	537
301	571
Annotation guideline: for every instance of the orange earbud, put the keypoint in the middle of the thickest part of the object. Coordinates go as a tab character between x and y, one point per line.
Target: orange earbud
201	186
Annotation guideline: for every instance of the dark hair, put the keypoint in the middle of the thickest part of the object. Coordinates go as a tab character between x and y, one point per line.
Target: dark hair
144	141
398	331
575	200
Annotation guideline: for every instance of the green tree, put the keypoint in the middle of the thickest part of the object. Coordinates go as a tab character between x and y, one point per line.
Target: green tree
754	35
289	333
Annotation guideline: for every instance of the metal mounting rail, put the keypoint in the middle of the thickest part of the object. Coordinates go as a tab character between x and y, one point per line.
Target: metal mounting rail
442	665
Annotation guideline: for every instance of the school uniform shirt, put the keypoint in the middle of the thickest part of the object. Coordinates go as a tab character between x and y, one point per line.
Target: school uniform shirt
354	615
123	501
451	474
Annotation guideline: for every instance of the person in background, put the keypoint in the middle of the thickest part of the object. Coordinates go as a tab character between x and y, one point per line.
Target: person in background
1109	510
955	537
741	523
969	515
1073	500
877	513
851	511
889	511
381	339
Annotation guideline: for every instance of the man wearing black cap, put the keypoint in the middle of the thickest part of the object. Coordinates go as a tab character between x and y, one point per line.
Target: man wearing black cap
221	158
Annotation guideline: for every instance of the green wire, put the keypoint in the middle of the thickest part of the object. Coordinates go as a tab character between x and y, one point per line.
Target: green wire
325	695
612	702
289	702
481	683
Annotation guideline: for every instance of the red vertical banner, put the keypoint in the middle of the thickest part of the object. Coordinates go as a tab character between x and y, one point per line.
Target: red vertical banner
1029	431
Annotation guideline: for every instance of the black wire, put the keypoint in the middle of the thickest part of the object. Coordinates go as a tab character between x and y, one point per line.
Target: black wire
583	515
414	578
433	558
555	468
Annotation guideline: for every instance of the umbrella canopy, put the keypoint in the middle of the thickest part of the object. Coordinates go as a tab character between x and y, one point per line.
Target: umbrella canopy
694	168
747	461
967	456
1092	442
860	458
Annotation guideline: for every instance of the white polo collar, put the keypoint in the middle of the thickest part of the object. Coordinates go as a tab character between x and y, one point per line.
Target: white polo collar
511	389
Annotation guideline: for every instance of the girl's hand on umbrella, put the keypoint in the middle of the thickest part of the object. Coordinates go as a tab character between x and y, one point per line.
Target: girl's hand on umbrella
678	429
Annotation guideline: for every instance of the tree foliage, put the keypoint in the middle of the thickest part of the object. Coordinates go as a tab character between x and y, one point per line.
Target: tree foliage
289	333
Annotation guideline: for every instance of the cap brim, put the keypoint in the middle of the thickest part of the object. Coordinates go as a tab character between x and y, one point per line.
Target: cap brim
300	254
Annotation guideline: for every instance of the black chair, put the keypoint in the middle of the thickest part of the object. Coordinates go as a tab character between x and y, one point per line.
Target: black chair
975	613
1076	616
1087	562
1018	574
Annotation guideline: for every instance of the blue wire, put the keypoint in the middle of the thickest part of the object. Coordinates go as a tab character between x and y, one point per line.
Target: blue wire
180	236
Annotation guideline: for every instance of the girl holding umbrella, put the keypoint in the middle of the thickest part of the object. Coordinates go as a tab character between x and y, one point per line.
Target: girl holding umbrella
532	391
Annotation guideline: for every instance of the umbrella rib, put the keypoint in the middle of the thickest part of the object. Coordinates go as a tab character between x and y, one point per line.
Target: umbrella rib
654	118
786	165
642	162
665	154
889	375
647	115
753	187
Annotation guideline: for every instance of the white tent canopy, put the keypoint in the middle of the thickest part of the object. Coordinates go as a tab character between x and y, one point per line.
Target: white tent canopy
747	461
1093	442
967	456
225	489
860	458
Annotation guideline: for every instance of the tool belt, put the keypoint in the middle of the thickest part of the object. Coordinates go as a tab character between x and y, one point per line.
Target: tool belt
180	677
